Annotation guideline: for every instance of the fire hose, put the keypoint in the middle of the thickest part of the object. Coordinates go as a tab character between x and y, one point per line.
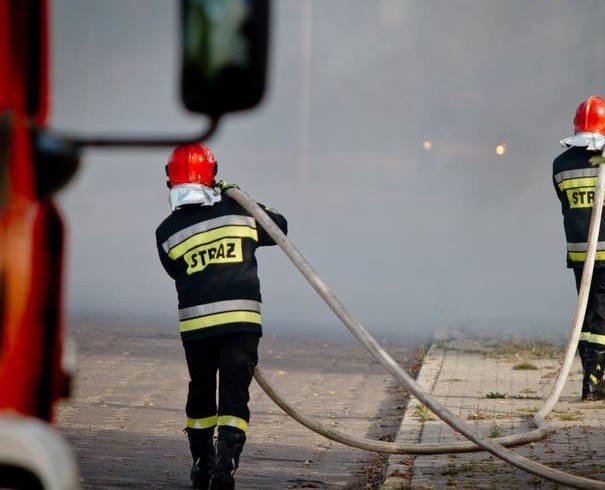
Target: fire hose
478	442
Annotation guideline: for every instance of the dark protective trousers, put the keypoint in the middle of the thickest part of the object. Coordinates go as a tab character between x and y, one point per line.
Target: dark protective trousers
234	356
593	329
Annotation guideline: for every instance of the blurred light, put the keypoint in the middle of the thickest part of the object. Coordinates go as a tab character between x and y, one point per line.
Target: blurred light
427	145
500	149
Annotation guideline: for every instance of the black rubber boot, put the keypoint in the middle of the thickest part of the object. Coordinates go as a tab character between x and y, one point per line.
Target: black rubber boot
228	448
201	443
593	385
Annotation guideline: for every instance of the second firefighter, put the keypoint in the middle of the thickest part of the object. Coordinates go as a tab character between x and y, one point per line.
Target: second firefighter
207	245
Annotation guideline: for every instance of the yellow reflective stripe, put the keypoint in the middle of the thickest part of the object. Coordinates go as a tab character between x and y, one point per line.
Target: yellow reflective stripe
581	256
203	423
210	236
220	319
232	421
581	182
595	338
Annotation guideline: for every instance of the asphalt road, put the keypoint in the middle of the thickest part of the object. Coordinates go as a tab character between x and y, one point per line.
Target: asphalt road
125	418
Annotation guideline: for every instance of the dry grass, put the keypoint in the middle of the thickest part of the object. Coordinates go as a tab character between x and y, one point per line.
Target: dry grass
477	414
522	350
456	469
528	391
570	416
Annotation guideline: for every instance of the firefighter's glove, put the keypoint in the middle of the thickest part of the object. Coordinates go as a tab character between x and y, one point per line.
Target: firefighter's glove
224	186
597	160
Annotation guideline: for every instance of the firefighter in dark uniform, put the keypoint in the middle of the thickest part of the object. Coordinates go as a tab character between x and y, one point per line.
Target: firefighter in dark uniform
207	246
574	178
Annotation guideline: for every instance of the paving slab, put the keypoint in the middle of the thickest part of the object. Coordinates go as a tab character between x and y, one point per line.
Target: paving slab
496	385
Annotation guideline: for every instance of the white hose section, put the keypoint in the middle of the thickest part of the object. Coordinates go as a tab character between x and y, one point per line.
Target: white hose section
361	334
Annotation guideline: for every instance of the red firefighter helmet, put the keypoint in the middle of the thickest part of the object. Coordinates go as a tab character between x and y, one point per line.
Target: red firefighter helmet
192	163
590	116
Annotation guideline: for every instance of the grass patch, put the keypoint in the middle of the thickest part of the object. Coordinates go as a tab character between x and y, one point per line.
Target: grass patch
570	416
477	414
454	469
527	394
495	394
423	413
528	391
495	432
525	366
525	397
517	349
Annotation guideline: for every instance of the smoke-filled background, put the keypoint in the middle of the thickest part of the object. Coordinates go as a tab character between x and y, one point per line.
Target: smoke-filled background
377	139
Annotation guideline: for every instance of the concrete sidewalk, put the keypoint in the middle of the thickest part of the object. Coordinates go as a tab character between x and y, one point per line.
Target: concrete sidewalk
497	386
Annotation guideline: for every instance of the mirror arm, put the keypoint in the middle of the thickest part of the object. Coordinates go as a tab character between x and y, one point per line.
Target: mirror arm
148	142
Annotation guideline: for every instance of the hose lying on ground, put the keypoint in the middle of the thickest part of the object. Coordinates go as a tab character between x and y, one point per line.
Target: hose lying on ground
383	446
405	380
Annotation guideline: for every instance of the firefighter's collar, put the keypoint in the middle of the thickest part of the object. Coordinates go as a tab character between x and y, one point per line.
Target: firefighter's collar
592	141
193	194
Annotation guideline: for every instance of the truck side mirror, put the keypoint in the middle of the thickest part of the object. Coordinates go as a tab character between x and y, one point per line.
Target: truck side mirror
224	60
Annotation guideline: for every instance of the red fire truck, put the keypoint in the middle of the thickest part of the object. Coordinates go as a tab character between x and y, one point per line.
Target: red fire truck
34	164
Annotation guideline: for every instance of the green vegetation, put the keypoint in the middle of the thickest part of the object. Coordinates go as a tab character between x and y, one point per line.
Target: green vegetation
570	416
423	413
477	414
495	432
495	394
525	366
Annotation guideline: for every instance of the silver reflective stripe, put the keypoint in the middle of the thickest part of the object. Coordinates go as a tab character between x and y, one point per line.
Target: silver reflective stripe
581	246
231	219
219	307
574	174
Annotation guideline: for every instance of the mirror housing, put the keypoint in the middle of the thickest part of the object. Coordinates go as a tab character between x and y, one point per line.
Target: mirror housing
224	54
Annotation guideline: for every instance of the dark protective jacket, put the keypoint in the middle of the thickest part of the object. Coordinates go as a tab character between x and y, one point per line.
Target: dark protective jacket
209	252
575	180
